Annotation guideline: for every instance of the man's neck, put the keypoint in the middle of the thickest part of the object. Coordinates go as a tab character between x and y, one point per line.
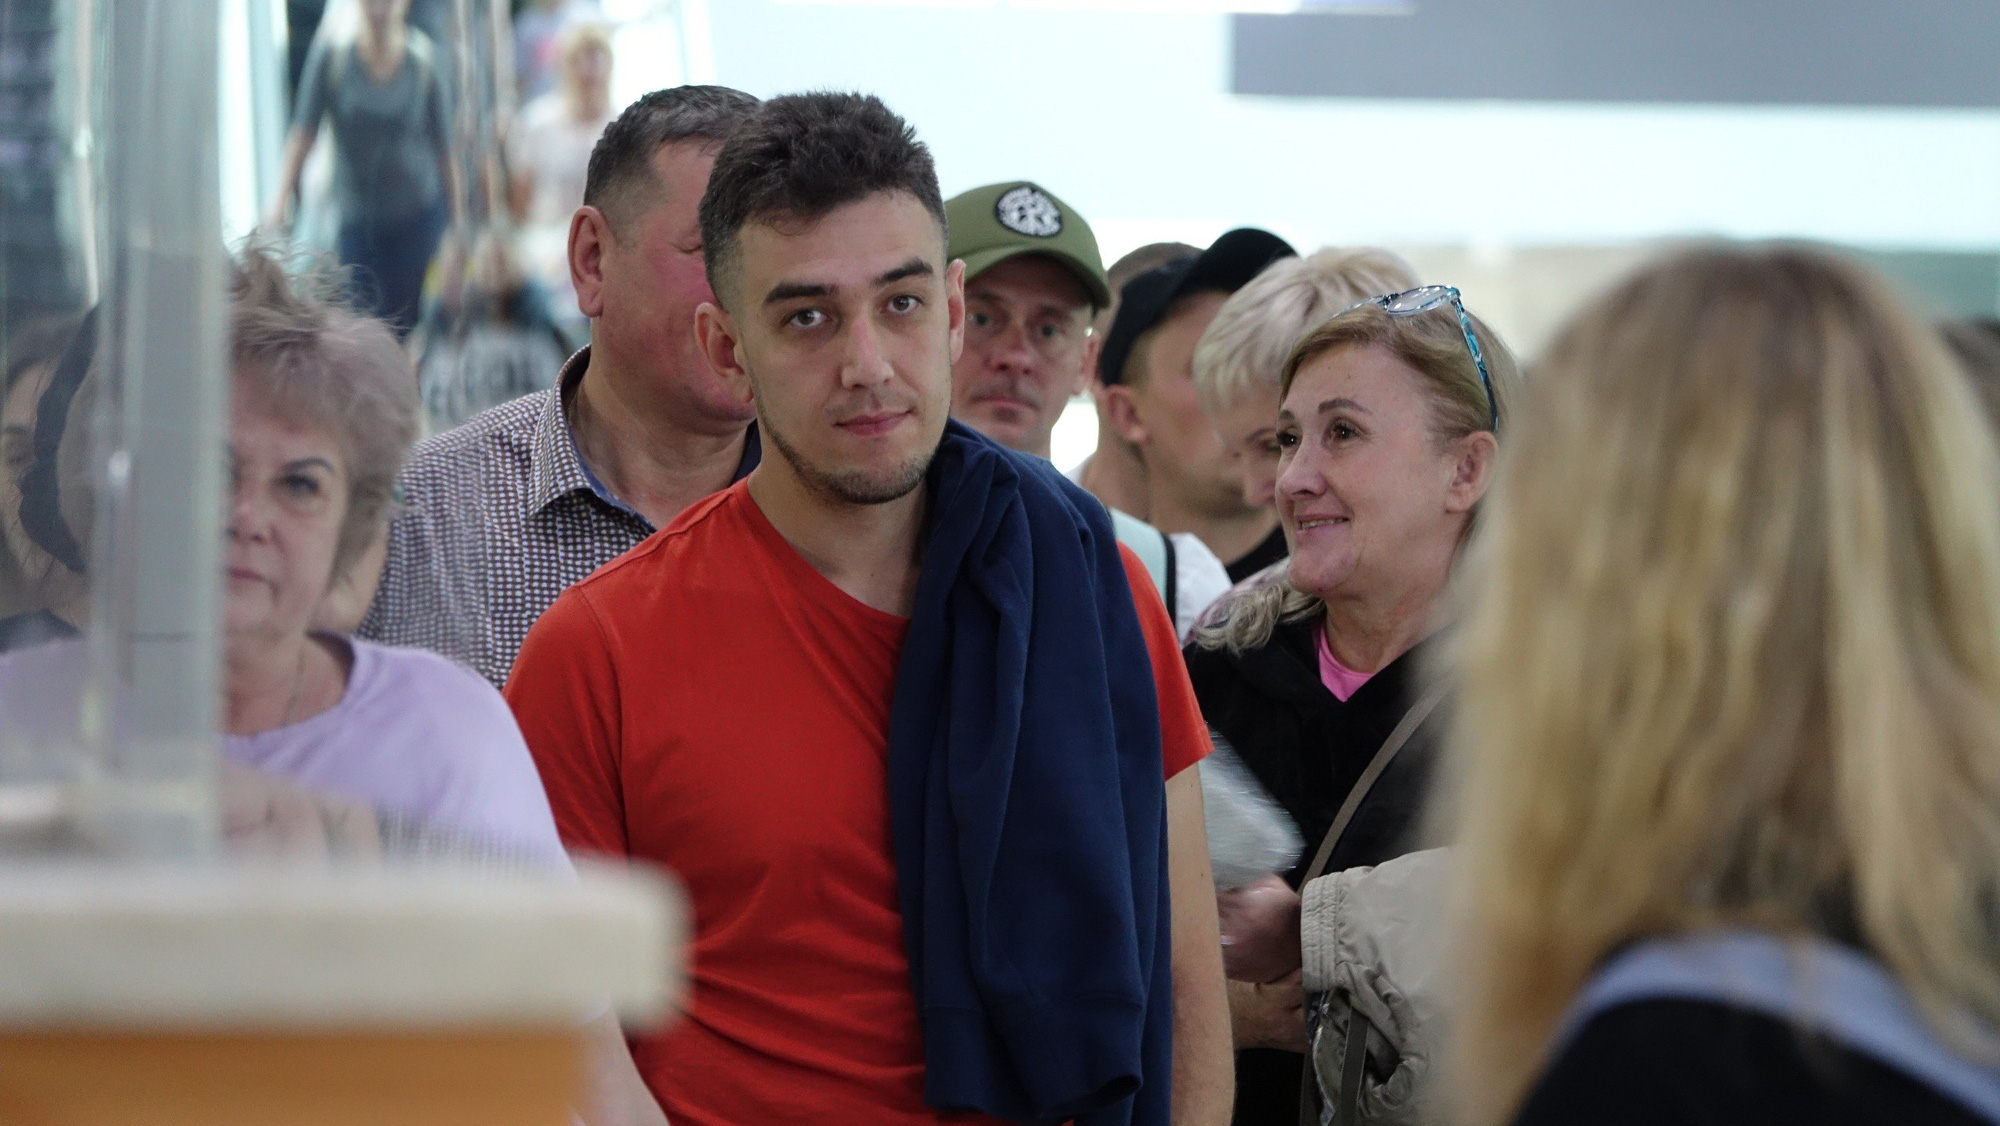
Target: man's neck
871	551
650	460
1229	537
1115	476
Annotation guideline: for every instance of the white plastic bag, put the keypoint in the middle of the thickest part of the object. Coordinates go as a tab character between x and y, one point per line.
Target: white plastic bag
1249	835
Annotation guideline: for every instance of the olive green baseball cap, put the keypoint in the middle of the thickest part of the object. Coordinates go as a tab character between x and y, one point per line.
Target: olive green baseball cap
1000	221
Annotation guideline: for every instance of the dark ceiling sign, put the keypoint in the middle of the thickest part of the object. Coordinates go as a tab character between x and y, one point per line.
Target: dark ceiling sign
1942	53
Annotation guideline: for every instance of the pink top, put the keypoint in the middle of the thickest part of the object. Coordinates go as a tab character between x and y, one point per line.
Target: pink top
1340	680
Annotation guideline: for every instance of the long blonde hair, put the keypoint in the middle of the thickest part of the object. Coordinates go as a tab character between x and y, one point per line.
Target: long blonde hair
1433	344
1733	649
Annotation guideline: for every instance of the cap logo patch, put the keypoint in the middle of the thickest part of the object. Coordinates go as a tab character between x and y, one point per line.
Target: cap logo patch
1029	211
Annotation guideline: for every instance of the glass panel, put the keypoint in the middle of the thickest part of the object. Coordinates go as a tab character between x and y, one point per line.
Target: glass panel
112	336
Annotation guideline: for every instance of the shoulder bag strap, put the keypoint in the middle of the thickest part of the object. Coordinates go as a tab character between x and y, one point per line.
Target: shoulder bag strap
1355	1051
1412	719
1172	593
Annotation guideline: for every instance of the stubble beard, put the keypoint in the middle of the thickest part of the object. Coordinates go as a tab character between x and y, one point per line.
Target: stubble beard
849	487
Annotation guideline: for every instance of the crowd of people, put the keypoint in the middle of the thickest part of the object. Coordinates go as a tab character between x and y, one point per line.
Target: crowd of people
1637	710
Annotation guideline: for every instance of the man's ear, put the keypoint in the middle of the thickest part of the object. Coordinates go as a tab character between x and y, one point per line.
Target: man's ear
716	334
589	235
1121	409
1477	454
954	305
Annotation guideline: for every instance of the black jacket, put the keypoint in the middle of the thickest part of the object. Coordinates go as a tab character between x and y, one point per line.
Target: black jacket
1696	1063
1308	748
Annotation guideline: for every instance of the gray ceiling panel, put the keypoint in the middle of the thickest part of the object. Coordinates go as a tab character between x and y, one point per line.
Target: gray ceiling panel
1757	52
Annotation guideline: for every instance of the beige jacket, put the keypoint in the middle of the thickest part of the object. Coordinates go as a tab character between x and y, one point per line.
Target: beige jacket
1374	944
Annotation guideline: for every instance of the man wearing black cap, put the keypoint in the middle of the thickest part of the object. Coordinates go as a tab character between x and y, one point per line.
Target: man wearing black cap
1147	368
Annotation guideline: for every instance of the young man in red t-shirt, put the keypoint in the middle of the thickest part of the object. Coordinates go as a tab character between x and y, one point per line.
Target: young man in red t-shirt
718	700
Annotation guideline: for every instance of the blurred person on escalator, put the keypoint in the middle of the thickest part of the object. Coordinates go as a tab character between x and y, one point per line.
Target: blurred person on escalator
486	337
395	186
548	153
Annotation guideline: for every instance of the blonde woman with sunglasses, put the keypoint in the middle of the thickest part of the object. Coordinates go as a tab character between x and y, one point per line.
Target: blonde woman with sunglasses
1730	717
1388	427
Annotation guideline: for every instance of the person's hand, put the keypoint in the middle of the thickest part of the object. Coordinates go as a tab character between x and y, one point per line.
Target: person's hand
267	816
1260	930
1268	1014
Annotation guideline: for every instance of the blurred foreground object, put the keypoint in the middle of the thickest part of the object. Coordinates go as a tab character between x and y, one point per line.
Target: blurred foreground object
221	995
1249	835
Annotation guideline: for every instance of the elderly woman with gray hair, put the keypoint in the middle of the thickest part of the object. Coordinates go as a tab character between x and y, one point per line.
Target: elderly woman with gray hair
323	408
333	745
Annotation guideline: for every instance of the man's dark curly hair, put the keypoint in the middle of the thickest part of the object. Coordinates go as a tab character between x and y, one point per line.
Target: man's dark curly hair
801	156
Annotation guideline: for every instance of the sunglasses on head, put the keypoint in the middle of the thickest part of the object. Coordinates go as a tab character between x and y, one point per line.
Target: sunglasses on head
1423	299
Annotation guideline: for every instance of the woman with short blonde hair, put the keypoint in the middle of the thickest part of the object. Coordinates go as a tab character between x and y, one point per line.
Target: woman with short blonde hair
1240	359
1733	661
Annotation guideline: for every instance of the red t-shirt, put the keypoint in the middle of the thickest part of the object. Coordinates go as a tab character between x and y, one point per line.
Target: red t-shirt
710	703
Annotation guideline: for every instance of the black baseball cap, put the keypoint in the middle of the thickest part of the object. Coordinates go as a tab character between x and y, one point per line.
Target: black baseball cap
1225	267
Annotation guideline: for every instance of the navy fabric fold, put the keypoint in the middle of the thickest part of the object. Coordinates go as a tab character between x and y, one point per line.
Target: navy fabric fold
1027	805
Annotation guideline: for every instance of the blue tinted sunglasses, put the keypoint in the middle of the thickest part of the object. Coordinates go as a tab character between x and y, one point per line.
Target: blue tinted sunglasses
1423	299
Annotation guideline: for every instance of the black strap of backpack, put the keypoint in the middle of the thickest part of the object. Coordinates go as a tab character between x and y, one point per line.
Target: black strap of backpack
1172	592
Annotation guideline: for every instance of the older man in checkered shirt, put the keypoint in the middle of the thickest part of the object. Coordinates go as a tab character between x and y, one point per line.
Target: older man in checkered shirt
503	513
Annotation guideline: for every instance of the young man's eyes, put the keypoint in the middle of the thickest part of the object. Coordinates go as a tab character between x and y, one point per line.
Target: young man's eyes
903	304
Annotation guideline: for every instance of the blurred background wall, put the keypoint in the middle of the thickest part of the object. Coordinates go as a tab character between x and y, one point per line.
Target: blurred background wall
1526	150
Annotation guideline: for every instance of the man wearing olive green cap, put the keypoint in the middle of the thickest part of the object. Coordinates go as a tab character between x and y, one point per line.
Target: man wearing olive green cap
1033	283
1033	280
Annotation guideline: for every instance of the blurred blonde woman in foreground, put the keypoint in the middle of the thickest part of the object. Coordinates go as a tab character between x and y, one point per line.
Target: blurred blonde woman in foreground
1731	715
